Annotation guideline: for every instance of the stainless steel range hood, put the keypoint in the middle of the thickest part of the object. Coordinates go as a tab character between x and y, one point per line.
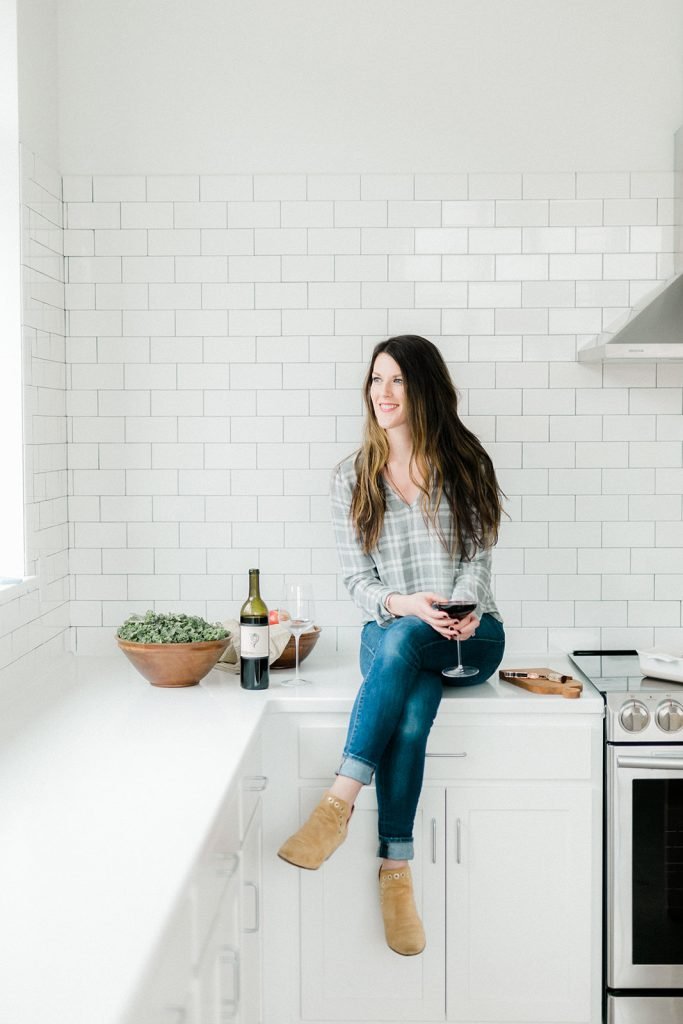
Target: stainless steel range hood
652	330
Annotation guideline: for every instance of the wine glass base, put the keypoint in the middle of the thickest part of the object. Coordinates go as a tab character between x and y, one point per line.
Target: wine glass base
294	681
460	671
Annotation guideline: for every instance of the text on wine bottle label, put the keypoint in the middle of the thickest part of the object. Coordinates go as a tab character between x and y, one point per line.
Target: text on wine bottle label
254	641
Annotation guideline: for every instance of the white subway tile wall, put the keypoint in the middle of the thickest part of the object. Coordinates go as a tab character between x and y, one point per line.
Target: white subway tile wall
218	329
34	616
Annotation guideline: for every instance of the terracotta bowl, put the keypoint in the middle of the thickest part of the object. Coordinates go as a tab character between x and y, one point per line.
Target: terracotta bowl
307	642
174	664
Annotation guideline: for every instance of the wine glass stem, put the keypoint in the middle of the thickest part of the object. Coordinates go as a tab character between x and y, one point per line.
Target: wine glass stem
296	656
457	640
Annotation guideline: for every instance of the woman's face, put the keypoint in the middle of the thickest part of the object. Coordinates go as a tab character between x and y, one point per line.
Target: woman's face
387	392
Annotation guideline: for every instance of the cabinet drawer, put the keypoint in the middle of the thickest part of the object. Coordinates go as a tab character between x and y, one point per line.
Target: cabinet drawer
512	749
252	784
497	747
216	866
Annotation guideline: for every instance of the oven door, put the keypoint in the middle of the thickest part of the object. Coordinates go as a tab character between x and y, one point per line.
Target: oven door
645	867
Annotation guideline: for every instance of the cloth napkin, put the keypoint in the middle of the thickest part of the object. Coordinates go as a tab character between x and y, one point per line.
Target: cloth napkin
229	660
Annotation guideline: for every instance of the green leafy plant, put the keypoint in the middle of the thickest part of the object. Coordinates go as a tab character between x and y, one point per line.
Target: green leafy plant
170	628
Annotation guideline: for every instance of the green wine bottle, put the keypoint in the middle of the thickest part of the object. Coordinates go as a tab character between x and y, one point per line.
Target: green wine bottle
254	638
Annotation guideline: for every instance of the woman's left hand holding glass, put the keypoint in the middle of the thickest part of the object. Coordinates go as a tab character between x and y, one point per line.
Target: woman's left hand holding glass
467	627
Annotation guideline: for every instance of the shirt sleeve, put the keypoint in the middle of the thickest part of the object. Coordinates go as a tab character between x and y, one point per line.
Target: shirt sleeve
359	571
474	578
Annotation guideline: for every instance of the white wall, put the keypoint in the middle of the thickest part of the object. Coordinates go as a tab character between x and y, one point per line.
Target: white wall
383	86
218	320
34	617
38	80
219	328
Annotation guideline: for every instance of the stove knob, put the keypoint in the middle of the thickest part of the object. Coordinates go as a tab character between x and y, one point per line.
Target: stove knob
634	716
669	716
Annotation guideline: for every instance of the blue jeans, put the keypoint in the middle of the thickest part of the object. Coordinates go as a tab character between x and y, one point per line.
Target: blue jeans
395	708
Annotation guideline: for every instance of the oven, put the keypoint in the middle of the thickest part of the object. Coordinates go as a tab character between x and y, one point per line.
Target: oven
644	874
643	855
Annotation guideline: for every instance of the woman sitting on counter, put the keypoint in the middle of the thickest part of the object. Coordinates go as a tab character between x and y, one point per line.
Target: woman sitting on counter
416	513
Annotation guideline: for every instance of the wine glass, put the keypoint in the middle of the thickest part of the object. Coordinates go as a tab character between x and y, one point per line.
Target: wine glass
458	609
297	614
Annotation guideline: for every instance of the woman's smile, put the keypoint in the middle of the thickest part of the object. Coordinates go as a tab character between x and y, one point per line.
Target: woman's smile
387	413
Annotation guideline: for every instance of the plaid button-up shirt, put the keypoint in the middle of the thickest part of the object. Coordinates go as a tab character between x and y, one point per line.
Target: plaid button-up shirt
408	558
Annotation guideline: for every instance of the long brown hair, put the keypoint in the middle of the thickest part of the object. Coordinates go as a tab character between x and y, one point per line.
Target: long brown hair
448	461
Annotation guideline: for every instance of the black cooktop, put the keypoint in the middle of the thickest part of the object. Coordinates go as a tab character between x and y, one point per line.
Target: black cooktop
619	672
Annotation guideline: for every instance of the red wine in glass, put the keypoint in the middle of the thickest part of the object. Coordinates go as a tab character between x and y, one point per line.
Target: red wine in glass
458	610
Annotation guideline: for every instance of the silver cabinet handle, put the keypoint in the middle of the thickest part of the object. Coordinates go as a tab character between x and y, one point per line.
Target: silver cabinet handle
257	907
433	840
665	763
255	783
463	754
458	832
228	1006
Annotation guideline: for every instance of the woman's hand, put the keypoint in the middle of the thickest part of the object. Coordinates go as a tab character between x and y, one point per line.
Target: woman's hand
465	628
422	606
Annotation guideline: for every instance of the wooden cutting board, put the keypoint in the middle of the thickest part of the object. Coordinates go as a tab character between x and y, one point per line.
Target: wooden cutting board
543	680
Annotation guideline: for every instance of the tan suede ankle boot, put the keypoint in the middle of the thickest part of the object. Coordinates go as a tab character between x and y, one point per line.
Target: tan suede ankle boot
320	836
402	925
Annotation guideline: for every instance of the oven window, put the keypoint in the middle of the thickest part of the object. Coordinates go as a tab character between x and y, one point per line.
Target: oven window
658	871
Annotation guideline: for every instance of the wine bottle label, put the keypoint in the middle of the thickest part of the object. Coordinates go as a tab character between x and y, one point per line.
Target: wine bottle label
254	641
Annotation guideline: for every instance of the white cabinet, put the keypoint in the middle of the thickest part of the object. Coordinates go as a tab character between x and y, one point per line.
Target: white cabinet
506	871
253	784
518	923
229	972
251	918
207	967
218	971
348	973
217	865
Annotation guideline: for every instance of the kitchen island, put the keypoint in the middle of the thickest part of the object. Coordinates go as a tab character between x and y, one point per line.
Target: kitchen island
119	800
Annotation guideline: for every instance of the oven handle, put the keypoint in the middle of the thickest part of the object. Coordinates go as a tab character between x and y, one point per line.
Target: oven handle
664	763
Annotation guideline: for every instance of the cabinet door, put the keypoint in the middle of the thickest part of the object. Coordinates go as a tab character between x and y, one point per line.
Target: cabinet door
252	1001
348	973
218	973
520	899
217	864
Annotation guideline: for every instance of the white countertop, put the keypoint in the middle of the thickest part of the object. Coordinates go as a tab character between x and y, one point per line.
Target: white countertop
107	788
